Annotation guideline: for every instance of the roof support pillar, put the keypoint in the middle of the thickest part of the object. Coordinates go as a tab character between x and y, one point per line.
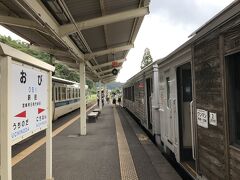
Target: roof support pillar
100	95
104	93
82	100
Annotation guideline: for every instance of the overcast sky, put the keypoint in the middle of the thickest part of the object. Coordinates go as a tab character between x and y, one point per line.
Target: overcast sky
167	26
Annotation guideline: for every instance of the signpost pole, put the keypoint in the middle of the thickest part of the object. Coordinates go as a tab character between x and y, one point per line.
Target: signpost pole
49	132
5	92
82	100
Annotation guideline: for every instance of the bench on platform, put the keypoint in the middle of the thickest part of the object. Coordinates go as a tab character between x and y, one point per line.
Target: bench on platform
92	117
97	110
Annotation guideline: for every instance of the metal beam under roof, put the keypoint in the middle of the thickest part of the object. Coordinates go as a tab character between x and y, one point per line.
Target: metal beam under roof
108	51
103	20
109	70
96	32
108	63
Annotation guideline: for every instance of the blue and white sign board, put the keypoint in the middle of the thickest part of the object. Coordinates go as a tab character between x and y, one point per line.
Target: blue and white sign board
29	101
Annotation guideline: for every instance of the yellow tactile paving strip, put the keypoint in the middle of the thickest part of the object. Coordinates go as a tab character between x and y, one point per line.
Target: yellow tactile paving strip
127	168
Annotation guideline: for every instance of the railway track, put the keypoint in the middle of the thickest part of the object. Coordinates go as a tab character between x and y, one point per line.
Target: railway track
25	148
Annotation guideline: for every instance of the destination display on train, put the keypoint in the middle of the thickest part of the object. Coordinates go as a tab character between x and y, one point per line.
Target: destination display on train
29	101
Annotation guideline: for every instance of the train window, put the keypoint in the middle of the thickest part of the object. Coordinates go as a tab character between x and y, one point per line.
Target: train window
64	93
151	85
68	93
59	93
73	93
56	93
129	93
233	80
79	92
168	91
187	85
132	93
126	93
76	93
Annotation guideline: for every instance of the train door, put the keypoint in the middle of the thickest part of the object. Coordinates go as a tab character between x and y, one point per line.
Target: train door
186	137
169	109
149	102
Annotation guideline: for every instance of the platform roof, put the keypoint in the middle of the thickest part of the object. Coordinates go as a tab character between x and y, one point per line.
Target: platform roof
97	32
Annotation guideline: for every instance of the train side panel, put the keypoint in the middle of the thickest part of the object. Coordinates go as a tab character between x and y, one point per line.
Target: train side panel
62	110
173	135
137	106
216	70
141	104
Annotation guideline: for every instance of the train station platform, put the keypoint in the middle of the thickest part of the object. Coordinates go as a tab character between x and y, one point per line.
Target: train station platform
114	148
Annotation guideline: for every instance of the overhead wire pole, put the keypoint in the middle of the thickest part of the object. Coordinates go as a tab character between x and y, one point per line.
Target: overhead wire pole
82	100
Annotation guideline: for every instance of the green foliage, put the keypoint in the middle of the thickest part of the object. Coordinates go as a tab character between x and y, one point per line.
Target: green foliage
61	70
147	58
92	89
116	91
91	98
114	85
24	47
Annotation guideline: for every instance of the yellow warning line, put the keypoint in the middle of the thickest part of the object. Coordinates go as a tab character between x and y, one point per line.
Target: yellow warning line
127	168
186	165
23	154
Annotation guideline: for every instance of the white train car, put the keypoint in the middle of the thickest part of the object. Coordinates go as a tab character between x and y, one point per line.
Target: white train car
196	96
138	96
66	96
177	133
160	96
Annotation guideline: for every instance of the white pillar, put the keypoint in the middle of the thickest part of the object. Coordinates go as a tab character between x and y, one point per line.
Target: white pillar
104	92
49	133
155	101
82	100
100	95
5	117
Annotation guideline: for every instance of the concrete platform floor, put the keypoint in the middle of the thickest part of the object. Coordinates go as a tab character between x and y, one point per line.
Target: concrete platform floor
96	155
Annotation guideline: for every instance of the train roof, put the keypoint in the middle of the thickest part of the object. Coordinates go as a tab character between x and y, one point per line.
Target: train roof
218	20
60	80
67	82
145	69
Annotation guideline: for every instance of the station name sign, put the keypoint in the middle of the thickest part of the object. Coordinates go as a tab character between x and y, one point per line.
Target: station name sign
29	100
